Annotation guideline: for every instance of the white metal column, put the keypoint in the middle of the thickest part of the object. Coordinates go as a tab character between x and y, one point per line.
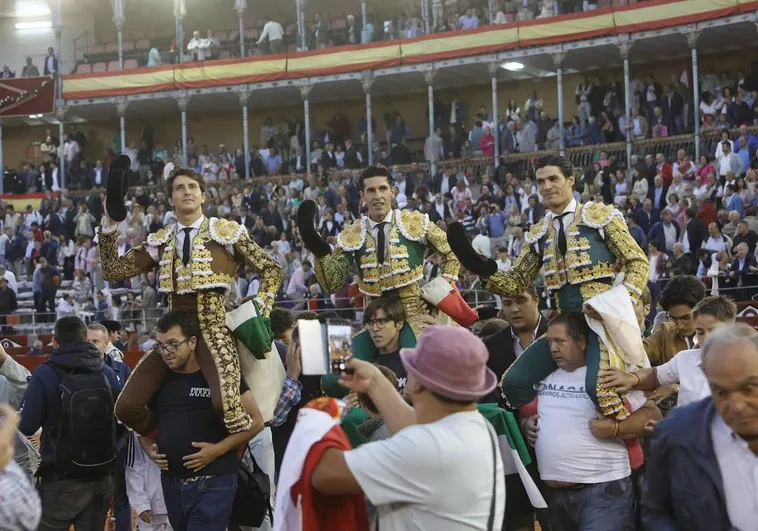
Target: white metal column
367	82
244	97
121	110
558	62
183	102
429	78
624	48
692	42
494	69
305	91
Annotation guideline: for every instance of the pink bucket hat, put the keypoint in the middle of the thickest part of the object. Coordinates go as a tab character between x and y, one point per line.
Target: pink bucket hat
452	362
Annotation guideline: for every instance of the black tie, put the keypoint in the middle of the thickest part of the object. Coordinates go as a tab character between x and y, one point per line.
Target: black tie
380	243
562	246
186	246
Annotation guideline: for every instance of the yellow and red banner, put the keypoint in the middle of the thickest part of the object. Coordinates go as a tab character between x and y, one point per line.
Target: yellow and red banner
20	201
642	16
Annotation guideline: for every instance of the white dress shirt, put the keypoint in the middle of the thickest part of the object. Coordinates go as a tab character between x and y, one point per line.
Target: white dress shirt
517	348
374	228
685	369
739	472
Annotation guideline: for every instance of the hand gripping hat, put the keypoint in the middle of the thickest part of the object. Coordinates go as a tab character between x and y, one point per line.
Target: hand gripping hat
118	186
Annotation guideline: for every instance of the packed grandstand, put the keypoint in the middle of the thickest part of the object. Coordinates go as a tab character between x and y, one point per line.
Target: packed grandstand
655	104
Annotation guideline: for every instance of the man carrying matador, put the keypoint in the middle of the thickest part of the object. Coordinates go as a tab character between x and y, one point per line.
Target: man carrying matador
197	260
582	248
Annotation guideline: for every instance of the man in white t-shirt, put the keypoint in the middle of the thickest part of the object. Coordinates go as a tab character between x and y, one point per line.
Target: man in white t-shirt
684	369
581	455
441	470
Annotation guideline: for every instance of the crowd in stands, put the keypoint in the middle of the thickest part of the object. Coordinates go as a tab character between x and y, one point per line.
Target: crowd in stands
324	31
675	207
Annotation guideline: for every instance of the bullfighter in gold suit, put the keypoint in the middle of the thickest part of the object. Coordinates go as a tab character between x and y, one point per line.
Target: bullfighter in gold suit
197	260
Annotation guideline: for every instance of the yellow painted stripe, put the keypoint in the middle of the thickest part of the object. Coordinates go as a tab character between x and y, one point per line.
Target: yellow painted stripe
565	28
662	12
342	58
209	71
134	79
503	36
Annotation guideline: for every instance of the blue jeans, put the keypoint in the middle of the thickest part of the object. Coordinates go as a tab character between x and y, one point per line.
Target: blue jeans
605	506
202	505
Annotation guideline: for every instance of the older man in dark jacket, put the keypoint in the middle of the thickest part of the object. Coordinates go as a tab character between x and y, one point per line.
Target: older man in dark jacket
700	471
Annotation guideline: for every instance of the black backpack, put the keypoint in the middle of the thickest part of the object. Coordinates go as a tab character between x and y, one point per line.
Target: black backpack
252	501
86	442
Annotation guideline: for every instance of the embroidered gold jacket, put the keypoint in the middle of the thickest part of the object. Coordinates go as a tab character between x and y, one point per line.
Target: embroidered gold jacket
211	265
598	246
410	235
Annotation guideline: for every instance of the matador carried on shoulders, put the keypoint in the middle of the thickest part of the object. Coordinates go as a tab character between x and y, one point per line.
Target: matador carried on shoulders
388	249
581	248
197	260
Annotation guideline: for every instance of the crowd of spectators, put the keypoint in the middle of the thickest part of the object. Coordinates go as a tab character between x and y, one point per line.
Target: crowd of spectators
320	30
663	200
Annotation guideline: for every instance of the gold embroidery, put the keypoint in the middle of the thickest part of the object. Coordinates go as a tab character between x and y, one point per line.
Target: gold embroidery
519	277
331	270
270	271
634	263
223	349
413	225
609	401
160	237
352	236
117	268
451	266
225	231
598	215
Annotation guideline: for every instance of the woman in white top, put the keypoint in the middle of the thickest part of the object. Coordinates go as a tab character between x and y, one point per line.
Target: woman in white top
640	186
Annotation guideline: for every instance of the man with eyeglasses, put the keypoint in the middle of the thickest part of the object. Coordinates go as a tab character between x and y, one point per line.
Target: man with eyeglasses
198	457
380	341
678	299
384	318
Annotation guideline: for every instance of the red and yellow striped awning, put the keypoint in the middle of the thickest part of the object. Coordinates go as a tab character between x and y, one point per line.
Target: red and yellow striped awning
654	14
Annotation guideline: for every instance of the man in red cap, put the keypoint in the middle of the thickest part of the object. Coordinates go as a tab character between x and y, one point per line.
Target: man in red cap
405	476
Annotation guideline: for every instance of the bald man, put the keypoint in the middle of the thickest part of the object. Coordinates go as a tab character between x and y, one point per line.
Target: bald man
703	457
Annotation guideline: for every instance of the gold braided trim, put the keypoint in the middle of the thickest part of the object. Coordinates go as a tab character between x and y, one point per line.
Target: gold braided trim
412	225
225	231
611	404
223	349
353	236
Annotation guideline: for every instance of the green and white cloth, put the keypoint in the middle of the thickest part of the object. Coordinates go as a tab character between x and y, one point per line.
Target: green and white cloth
260	364
251	328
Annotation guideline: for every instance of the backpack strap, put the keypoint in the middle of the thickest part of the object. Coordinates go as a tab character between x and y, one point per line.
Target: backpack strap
491	519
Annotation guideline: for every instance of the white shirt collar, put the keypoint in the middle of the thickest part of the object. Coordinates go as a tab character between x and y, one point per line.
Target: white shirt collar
515	336
570	208
195	225
387	219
